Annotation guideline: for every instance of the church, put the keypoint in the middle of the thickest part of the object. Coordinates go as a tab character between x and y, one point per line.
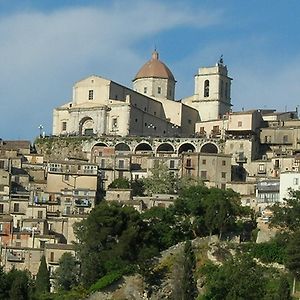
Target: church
102	107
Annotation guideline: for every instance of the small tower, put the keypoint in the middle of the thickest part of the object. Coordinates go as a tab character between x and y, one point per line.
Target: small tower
212	91
155	79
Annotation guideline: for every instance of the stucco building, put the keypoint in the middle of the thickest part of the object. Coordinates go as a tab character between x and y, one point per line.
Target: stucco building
103	107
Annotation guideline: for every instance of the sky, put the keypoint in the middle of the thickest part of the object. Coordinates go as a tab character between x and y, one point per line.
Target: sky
46	46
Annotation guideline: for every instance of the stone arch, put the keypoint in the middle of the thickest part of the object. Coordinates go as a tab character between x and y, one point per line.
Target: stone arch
165	147
143	147
186	147
122	147
86	126
209	148
96	151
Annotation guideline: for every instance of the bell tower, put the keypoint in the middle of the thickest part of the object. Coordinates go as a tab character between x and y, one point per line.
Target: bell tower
212	91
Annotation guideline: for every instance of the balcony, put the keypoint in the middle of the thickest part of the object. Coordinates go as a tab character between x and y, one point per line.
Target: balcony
82	203
53	214
261	171
241	158
15	257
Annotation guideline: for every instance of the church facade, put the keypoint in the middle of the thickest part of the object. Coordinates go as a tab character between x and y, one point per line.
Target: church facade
102	107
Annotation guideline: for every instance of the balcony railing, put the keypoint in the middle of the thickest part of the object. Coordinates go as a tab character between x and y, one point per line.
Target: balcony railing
15	257
82	203
241	159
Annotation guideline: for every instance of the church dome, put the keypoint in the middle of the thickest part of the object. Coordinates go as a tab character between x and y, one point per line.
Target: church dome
154	68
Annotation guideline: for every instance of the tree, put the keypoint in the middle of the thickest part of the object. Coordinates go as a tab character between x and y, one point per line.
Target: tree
161	181
293	254
120	183
138	187
221	209
66	275
236	279
109	233
209	210
4	284
286	216
284	289
189	287
43	278
20	285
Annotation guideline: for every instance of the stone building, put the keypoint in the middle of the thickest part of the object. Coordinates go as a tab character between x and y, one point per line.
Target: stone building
103	107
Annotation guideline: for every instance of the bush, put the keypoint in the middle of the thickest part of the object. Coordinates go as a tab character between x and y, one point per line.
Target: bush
269	252
106	281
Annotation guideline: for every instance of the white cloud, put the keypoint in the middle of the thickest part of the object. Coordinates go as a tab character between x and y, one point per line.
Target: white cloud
44	53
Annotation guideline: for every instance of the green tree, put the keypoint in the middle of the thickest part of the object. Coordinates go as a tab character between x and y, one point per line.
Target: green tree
284	289
161	181
236	279
43	277
67	273
20	286
4	285
293	254
221	209
287	217
189	287
138	187
120	183
109	233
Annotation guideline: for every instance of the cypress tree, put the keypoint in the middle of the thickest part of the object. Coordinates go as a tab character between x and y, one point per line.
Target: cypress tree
42	282
188	283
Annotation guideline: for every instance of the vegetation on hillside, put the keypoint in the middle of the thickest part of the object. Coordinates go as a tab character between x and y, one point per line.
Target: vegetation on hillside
115	240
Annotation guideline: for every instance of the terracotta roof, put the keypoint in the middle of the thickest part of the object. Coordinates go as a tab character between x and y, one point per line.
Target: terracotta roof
154	68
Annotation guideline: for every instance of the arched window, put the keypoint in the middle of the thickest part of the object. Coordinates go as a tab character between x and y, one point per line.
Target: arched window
226	90
206	88
222	88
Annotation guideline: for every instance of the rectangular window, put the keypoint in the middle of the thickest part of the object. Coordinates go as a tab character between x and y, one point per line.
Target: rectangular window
159	90
188	162
223	162
121	164
145	90
285	138
1	187
223	174
40	214
102	163
1	208
64	126
121	174
67	177
203	161
261	167
202	131
68	210
240	123
114	123
216	129
172	164
203	174
91	94
1	164
51	256
296	181
16	207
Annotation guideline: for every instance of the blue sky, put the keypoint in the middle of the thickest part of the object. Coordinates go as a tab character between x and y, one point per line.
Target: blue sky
48	45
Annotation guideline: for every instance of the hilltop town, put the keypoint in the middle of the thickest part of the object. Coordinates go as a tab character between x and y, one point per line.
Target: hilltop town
110	133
